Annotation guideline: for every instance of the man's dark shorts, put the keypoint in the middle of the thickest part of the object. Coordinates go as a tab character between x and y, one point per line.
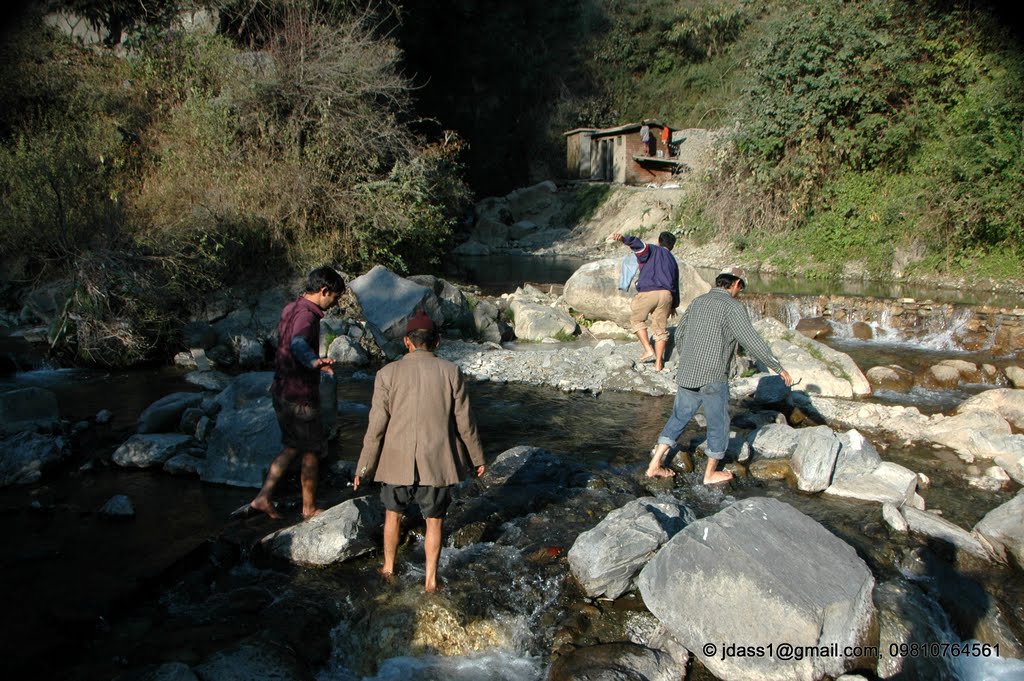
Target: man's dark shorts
301	425
433	501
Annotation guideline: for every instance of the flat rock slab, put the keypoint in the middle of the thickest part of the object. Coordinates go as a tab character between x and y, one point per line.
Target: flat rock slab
760	573
888	483
932	525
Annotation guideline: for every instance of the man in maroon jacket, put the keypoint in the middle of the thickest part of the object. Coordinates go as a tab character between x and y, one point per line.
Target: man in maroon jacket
296	388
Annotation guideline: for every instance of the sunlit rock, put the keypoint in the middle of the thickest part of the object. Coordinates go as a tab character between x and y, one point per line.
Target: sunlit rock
756	574
1006	402
605	559
341	532
890	377
1003	529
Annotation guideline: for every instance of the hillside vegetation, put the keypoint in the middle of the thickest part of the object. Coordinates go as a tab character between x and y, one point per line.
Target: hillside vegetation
183	162
870	136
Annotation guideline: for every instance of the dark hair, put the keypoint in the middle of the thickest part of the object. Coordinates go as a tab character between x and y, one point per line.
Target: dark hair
424	338
324	278
726	280
667	240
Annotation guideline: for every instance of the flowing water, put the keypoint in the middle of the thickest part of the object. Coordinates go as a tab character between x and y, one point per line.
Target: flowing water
95	598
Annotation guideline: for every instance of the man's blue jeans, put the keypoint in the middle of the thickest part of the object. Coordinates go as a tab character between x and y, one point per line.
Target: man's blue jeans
715	399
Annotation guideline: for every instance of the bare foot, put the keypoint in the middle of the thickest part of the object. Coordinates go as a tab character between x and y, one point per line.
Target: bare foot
265	506
647	358
658	366
660	472
387	577
312	514
431	588
718	477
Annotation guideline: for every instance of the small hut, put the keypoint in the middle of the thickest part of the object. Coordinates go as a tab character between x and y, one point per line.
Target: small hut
627	154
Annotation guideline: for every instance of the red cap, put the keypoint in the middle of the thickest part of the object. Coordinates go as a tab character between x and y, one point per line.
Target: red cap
420	320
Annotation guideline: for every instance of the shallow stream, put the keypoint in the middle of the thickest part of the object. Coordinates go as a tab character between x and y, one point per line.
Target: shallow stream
95	598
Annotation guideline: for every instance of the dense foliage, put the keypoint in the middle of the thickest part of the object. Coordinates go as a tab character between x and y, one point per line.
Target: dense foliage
186	161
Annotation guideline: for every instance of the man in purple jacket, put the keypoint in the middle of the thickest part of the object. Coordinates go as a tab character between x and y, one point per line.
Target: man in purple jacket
296	388
657	295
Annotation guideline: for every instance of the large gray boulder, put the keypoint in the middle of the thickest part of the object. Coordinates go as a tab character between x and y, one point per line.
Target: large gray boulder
814	458
242	444
252	660
593	290
347	351
605	559
757	574
819	369
164	415
857	456
388	300
341	532
449	302
536	321
151	449
25	456
29	408
1007	402
1003	529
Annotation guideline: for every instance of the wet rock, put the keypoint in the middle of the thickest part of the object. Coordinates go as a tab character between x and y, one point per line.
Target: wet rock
605	559
252	660
890	377
26	456
146	451
936	527
789	579
1006	402
118	507
968	371
906	617
1015	375
862	330
770	469
814	458
1003	529
615	662
164	415
341	532
814	327
168	671
940	376
28	409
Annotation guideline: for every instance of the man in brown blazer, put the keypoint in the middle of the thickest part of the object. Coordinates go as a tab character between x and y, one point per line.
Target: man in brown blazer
421	440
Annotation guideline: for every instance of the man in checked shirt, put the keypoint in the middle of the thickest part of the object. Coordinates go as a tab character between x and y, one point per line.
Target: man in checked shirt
706	340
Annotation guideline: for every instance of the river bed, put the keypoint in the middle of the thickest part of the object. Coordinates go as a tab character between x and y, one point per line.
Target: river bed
97	598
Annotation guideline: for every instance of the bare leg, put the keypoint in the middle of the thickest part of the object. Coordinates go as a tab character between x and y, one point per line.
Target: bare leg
432	548
645	341
659	354
712	476
392	521
655	469
308	475
277	468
